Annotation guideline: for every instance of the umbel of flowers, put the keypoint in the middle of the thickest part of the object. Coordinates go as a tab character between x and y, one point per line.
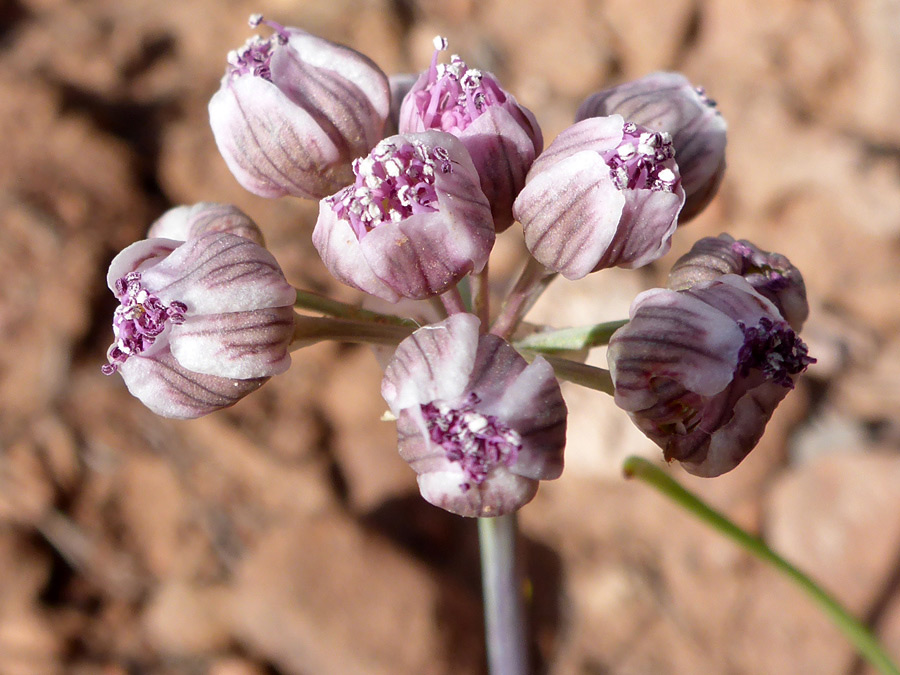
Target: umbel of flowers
416	175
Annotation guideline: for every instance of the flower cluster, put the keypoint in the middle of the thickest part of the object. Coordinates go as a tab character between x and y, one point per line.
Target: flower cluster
415	177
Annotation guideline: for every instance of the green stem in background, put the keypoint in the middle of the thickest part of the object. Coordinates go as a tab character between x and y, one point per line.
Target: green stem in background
591	377
527	289
325	305
504	618
309	330
570	339
855	631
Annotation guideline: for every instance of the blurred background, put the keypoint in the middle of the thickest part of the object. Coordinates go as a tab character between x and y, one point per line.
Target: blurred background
285	536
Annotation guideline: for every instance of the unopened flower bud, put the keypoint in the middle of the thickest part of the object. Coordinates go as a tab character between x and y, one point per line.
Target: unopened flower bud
771	274
413	223
605	193
479	425
701	371
189	222
668	102
293	112
502	136
201	323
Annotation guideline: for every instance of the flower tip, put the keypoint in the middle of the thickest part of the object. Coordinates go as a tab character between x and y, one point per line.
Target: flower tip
255	20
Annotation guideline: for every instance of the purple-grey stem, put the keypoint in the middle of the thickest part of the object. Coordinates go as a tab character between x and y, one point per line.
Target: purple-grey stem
528	288
481	296
309	330
504	618
453	301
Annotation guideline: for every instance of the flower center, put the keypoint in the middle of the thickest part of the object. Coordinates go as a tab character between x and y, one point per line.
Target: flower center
477	442
455	94
641	160
254	57
773	349
394	182
138	320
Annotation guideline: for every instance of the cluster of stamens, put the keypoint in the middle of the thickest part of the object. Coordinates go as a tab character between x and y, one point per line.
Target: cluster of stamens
254	57
639	162
475	441
138	321
456	94
394	182
773	349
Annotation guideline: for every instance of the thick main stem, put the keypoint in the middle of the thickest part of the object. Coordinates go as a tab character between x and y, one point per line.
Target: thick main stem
504	617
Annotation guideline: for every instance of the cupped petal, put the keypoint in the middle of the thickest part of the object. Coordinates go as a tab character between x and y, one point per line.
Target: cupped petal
138	257
425	254
272	146
672	337
502	152
770	274
340	250
189	222
170	390
432	364
649	219
220	273
343	89
570	213
240	345
729	443
501	493
736	298
533	405
597	134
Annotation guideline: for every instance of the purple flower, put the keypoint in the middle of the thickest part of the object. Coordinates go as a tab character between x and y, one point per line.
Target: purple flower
701	371
668	102
605	193
502	136
413	223
294	110
200	324
771	274
479	425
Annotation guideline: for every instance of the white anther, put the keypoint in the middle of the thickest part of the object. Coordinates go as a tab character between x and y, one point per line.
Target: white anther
666	176
440	43
625	151
255	20
393	167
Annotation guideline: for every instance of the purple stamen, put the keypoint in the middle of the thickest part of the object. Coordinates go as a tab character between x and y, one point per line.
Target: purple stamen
394	182
640	160
138	321
256	54
477	442
775	350
455	95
